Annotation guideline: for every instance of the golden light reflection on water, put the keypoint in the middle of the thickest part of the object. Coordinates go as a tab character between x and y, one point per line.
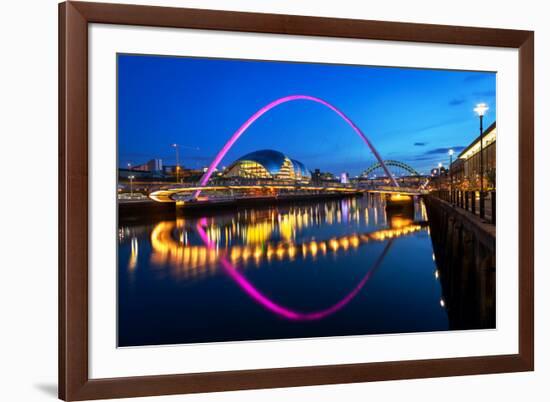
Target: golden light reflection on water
193	259
251	238
134	251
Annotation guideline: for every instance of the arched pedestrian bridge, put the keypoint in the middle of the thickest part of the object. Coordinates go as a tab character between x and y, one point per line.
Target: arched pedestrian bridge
183	194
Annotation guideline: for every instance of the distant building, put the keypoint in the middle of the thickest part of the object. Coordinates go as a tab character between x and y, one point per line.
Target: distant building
268	164
466	169
344	178
154	166
124	174
317	176
169	170
185	174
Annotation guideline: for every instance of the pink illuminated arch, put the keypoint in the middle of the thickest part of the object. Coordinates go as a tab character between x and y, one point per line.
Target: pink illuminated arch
268	107
276	308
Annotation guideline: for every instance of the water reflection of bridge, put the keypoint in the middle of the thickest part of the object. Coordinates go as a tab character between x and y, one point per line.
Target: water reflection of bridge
253	236
228	243
197	260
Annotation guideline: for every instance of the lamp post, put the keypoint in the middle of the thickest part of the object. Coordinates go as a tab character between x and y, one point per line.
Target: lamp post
481	109
131	185
439	166
176	146
451	152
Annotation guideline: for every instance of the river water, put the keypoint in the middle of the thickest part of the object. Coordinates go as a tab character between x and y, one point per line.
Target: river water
322	268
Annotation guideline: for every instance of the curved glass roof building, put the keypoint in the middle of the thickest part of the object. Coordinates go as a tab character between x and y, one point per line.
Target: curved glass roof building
268	164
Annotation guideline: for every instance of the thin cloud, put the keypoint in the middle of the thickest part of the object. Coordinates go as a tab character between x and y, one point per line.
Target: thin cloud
420	129
490	92
423	158
476	77
437	151
456	102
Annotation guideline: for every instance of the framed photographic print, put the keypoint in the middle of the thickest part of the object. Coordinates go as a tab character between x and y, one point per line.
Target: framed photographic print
257	200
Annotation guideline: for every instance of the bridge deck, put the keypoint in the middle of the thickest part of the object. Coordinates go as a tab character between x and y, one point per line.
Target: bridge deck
165	195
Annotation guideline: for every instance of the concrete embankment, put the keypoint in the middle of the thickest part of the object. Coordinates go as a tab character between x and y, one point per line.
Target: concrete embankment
464	250
143	210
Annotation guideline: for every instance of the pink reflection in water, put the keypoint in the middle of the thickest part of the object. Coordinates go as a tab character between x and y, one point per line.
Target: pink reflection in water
270	305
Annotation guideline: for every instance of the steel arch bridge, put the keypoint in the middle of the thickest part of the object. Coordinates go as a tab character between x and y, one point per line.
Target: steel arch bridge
393	163
206	176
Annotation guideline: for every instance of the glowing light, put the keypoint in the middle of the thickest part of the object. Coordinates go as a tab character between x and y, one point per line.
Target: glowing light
235	253
185	259
291	252
132	263
400	197
258	253
344	242
442	303
313	247
398	222
280	252
481	109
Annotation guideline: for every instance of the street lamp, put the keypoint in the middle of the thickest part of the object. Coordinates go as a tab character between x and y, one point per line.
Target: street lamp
131	185
176	146
481	109
451	152
439	166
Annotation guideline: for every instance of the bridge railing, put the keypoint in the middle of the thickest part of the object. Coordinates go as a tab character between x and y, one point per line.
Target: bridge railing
404	190
480	204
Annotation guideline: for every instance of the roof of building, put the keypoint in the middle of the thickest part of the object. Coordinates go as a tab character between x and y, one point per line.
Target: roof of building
475	142
268	158
300	168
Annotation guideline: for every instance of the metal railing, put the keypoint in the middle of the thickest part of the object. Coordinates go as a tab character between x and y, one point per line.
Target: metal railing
480	204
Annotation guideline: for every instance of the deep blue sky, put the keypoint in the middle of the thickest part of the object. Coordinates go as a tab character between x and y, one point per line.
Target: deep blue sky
411	115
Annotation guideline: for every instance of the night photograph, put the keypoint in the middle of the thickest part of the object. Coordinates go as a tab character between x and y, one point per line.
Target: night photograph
273	200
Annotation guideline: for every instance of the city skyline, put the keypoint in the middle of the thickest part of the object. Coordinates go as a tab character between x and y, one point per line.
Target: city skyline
411	115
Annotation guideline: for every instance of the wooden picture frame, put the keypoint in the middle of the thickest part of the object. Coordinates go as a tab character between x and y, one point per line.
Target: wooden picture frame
74	381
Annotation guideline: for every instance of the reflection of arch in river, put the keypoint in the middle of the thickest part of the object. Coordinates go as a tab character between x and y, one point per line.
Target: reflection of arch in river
188	259
278	309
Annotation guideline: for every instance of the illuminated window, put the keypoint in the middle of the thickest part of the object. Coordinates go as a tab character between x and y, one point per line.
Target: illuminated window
286	172
248	170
